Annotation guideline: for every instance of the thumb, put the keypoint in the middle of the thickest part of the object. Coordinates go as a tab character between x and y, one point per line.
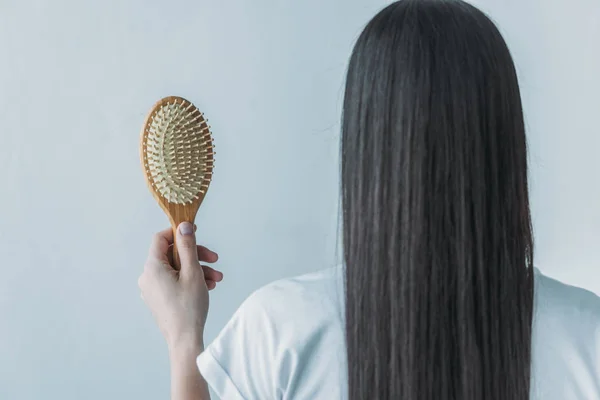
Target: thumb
186	247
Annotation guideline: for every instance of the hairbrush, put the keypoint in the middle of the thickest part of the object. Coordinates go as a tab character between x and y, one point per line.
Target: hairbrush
177	153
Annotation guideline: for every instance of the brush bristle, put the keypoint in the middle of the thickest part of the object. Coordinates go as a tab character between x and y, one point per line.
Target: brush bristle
178	152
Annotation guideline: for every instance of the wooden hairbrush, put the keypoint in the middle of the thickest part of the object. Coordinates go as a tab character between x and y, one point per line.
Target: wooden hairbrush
177	153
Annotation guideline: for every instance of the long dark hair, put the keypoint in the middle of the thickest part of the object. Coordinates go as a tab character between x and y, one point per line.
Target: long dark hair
437	234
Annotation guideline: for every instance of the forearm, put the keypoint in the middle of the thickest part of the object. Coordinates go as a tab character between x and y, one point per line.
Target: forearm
186	381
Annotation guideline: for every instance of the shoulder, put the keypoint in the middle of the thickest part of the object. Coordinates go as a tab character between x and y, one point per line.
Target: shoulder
563	302
270	343
295	309
317	289
565	341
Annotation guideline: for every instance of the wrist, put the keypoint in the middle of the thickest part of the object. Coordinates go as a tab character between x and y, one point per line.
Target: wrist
186	346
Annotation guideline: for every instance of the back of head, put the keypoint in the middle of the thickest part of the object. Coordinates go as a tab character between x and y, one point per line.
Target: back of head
437	233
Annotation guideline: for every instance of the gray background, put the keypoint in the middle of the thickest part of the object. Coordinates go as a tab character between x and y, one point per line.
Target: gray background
76	80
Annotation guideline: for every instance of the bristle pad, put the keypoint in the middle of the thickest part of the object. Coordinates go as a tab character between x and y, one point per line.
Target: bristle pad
179	152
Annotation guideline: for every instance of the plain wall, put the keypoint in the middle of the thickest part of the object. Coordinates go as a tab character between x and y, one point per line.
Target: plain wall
76	80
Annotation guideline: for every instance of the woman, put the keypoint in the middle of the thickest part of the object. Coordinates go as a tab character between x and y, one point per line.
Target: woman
438	297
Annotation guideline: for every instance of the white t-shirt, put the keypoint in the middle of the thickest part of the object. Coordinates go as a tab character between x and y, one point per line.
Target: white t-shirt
286	341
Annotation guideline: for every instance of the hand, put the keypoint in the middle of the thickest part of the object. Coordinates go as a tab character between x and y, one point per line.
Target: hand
179	299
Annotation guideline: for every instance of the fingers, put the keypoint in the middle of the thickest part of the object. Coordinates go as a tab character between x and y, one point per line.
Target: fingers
187	249
207	255
211	277
160	244
211	274
164	239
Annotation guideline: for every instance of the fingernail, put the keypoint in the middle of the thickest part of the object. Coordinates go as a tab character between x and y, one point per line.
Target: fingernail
186	228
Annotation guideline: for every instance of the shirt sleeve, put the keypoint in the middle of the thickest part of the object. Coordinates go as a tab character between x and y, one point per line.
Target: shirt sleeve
241	362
